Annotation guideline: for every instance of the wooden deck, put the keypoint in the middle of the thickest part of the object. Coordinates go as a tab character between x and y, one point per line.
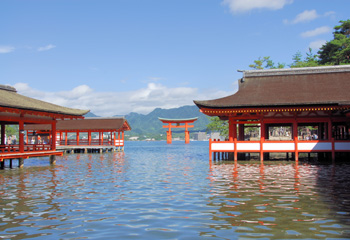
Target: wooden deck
25	155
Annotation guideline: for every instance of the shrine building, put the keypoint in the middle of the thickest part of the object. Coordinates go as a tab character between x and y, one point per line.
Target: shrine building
285	111
18	110
93	134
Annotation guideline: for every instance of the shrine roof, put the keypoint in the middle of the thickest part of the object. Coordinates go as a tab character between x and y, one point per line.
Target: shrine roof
288	87
178	120
93	123
11	99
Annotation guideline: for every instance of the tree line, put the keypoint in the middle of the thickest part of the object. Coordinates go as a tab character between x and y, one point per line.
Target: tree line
333	52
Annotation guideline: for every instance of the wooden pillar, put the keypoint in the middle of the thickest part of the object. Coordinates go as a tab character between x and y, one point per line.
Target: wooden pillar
77	132
210	152
102	138
187	134
20	162
231	129
61	138
52	159
262	140
168	134
2	163
89	138
234	132
54	135
21	136
112	139
187	137
331	138
296	140
66	140
123	138
3	134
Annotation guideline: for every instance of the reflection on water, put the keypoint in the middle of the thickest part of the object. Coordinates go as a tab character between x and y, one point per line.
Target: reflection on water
160	191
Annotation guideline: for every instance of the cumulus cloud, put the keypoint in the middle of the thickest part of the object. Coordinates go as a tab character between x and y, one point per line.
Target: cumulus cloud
144	100
316	32
317	44
237	6
46	48
6	49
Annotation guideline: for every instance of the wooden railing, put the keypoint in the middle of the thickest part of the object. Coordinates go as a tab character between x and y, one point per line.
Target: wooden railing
27	148
85	142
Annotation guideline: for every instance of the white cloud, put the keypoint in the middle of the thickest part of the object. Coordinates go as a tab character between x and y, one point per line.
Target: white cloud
315	45
306	16
237	6
316	32
144	100
6	49
46	48
330	13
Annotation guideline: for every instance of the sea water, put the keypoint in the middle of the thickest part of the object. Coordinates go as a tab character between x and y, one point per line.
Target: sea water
156	190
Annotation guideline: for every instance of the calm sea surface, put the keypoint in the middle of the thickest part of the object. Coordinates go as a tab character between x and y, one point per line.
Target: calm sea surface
160	191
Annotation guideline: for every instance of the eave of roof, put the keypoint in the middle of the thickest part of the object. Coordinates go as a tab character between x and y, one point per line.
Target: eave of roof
9	98
288	87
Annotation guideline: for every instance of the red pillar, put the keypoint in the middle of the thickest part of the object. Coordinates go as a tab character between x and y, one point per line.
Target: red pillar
168	135
231	130
295	136
331	138
21	136
262	140
77	137
123	137
53	137
187	135
2	134
89	138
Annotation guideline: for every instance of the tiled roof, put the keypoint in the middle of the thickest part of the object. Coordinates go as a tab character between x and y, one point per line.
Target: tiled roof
11	99
288	87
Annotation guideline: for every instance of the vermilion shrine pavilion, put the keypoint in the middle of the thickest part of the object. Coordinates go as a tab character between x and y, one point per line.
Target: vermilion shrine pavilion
292	111
16	109
89	134
176	123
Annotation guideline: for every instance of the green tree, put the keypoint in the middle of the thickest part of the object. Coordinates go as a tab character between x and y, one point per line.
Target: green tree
265	63
337	51
11	130
218	125
311	60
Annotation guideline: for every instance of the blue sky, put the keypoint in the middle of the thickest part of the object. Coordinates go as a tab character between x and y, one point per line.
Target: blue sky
119	56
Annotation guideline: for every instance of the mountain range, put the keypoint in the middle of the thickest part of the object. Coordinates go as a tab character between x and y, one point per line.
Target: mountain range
144	124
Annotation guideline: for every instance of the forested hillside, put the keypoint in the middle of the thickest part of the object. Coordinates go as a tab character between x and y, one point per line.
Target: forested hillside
150	124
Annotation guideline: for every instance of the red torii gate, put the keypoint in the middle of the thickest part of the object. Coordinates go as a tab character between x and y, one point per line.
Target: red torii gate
177	123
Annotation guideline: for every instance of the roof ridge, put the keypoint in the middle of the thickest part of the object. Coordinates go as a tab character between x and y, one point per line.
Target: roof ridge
7	88
295	71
